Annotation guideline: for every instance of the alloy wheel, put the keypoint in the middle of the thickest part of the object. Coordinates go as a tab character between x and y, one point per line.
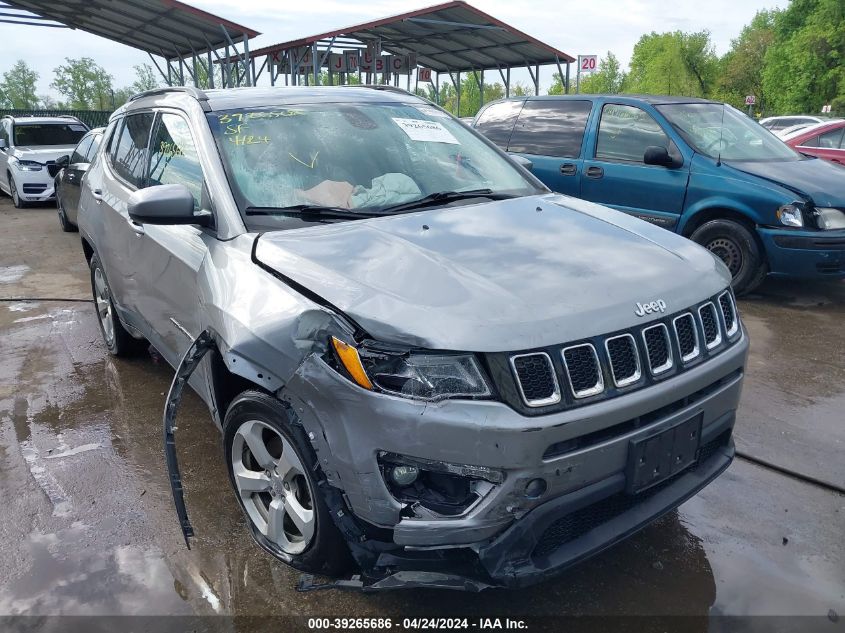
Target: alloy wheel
104	305
271	482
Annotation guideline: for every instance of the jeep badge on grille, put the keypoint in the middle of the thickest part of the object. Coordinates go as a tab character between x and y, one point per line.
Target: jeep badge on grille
643	309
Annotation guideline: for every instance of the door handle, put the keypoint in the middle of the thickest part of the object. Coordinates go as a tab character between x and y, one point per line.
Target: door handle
97	194
595	172
568	169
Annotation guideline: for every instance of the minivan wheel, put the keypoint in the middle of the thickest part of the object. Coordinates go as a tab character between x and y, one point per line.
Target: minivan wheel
276	480
737	247
118	341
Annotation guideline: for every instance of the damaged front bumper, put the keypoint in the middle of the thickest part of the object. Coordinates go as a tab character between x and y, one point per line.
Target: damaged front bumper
509	535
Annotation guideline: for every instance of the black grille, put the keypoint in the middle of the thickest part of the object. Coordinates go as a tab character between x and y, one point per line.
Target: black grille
536	378
53	168
33	188
727	307
685	330
624	363
582	367
657	347
578	523
709	323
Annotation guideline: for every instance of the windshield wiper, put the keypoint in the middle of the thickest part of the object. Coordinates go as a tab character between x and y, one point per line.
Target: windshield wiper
311	211
443	197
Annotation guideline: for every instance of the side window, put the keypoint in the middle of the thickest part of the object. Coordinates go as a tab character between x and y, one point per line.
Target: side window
551	128
496	122
129	151
92	150
79	154
4	131
174	157
811	142
626	131
832	139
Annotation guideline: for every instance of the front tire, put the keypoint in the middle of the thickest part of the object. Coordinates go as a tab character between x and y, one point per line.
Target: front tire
118	341
13	191
276	480
737	247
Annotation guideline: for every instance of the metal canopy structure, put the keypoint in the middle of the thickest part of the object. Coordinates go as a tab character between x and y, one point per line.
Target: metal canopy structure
450	38
177	32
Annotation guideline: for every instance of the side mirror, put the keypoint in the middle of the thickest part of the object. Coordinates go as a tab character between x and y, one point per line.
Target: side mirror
523	162
63	161
658	155
165	204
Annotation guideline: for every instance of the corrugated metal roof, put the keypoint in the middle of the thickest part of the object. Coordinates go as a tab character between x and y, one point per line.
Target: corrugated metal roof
162	27
454	36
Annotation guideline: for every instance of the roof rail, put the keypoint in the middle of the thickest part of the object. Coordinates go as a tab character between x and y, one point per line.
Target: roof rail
196	93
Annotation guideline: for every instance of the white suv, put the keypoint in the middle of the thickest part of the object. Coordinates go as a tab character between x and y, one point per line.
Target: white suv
29	150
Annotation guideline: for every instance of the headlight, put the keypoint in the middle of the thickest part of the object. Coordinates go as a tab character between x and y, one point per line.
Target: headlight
413	374
828	219
790	215
28	165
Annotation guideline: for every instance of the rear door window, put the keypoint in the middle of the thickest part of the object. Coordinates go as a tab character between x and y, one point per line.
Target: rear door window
551	128
174	158
92	150
497	121
81	150
129	151
626	131
832	139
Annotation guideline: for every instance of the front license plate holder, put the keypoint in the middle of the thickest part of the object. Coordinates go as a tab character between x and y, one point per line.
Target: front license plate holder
655	458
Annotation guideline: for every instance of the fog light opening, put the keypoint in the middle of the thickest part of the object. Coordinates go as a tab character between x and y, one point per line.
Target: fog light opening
535	488
404	475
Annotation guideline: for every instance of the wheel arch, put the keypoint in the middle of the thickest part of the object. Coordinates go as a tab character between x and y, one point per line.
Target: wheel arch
724	213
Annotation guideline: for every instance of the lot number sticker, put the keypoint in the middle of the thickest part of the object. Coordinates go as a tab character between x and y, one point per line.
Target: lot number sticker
429	131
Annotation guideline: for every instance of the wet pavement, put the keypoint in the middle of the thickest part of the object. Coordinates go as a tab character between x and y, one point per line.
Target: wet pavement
87	523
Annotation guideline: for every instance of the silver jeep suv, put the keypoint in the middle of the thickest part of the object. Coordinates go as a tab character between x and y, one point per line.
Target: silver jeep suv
427	369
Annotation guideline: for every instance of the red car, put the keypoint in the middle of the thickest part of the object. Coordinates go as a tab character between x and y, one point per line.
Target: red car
825	140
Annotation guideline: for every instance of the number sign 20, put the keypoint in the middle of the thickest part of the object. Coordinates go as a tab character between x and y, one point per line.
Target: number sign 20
587	63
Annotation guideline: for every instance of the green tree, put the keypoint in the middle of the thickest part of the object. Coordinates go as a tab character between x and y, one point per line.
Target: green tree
608	79
18	87
804	67
673	63
741	68
145	78
86	84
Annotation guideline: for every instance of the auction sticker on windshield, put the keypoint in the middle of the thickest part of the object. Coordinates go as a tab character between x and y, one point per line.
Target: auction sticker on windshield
429	131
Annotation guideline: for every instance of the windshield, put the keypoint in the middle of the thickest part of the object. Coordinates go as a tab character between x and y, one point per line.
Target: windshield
48	134
362	157
718	130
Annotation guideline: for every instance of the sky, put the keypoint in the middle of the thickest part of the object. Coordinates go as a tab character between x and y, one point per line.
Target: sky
586	27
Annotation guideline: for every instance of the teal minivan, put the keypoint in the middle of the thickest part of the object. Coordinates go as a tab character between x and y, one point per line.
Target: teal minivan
697	167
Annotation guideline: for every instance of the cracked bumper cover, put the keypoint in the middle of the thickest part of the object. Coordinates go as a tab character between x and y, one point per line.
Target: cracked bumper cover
349	425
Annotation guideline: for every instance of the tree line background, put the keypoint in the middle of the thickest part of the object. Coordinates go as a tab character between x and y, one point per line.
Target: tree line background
791	60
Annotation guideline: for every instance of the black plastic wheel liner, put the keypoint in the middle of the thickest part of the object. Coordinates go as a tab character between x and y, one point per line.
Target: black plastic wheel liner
190	361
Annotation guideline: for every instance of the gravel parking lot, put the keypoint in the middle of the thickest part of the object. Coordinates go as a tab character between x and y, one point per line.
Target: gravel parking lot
88	526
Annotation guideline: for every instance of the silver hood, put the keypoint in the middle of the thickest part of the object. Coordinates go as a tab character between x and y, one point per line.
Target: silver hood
497	276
